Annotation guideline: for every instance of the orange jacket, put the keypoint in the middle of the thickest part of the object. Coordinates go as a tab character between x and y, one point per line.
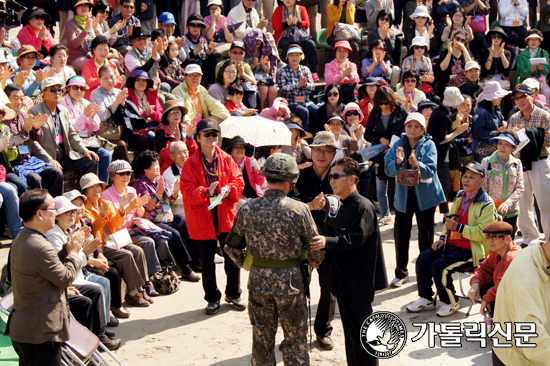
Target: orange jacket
113	219
193	185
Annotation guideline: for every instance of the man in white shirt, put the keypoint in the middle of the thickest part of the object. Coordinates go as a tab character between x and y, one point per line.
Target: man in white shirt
178	154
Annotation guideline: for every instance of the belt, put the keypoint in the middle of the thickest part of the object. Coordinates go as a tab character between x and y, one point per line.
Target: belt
271	263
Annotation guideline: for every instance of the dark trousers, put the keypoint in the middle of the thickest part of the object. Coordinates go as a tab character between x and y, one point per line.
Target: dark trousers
51	178
444	175
207	249
354	309
402	233
493	12
93	293
178	229
327	300
139	143
114	281
516	35
43	354
81	166
512	221
438	266
82	309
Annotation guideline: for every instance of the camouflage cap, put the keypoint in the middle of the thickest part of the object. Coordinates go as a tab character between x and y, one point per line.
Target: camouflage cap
282	167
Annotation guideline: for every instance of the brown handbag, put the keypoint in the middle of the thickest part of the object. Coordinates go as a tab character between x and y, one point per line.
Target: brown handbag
408	177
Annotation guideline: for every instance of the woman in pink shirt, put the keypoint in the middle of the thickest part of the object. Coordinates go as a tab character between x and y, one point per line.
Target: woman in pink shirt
342	71
83	114
278	112
34	31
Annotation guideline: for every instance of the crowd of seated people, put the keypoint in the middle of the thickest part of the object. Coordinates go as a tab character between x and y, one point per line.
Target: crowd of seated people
132	106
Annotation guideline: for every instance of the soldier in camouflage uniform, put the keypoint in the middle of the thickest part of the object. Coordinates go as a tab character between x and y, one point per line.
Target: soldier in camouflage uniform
276	229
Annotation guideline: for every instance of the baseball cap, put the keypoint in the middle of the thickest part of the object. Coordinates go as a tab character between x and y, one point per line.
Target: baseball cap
415	116
207	124
474	167
167	18
237	44
471	65
192	68
521	88
47	82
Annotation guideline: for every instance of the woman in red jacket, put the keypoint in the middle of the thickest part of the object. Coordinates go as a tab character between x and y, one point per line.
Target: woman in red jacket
253	181
100	49
142	94
205	174
287	17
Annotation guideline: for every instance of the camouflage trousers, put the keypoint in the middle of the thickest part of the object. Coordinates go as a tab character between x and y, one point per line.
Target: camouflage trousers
265	312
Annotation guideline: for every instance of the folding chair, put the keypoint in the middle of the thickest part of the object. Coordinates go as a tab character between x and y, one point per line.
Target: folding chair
470	271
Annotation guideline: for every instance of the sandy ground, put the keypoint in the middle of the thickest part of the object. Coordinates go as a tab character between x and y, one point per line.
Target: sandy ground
175	330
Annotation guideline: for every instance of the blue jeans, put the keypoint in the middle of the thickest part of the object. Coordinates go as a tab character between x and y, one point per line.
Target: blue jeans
305	113
440	266
382	195
103	164
106	290
10	199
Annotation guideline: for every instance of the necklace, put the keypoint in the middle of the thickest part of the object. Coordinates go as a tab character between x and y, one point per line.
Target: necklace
141	98
319	175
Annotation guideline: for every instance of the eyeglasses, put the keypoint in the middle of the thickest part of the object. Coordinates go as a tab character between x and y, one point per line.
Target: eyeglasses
337	176
521	97
230	72
419	47
461	40
102	11
378	48
128	6
122	174
49	209
210	134
78	88
238	53
496	35
333	94
55	90
40	17
323	152
493	237
175	111
352	113
71	213
410	80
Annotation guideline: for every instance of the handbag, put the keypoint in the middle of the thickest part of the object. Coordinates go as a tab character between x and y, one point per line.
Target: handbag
408	177
165	282
346	32
90	142
110	131
297	35
479	26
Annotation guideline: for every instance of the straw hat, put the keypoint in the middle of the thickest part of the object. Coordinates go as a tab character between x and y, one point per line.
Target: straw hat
89	180
62	205
452	97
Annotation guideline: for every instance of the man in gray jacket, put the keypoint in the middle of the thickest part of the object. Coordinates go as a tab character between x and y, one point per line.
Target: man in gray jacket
39	321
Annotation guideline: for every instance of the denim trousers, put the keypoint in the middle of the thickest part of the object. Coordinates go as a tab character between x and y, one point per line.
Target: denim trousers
10	200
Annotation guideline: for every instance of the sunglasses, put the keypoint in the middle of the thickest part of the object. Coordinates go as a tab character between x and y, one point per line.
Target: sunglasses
125	174
461	40
493	237
337	176
386	19
521	97
78	88
496	36
128	6
40	17
238	53
210	134
56	90
378	49
410	80
352	113
332	95
419	47
384	103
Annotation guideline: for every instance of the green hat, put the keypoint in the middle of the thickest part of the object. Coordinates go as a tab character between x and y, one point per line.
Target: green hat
282	167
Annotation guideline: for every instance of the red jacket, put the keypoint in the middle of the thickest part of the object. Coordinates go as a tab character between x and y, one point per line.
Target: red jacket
277	20
152	99
193	185
255	179
492	270
163	137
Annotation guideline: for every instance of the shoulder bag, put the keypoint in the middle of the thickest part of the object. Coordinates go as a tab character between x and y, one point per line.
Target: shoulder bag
408	177
346	32
297	35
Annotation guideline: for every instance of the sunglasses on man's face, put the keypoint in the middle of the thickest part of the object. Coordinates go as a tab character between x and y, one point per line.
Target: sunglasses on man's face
128	7
352	113
210	134
336	176
238	53
55	90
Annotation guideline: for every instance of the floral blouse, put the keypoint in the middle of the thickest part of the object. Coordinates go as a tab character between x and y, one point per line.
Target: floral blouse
158	211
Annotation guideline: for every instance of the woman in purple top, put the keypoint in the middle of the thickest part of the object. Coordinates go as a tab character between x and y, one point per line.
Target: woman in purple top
150	183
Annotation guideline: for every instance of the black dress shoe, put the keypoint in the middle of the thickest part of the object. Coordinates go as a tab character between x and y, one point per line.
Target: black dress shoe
325	342
212	307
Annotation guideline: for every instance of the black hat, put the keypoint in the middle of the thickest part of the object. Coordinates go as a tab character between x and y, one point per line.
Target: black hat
207	124
235	141
447	8
498	227
426	103
474	167
34	12
196	19
237	44
139	32
522	88
496	30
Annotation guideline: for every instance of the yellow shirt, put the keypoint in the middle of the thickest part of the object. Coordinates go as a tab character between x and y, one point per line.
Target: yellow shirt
334	15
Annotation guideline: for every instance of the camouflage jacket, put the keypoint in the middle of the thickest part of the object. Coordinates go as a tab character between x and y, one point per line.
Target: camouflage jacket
276	228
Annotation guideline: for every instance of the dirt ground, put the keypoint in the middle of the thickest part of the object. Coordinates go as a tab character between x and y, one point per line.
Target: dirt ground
176	331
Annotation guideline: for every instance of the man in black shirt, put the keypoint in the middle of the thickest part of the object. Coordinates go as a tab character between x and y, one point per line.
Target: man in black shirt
311	188
471	87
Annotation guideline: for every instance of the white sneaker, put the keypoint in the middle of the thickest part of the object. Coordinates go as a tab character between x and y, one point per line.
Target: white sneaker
384	220
448	310
421	304
398	282
218	258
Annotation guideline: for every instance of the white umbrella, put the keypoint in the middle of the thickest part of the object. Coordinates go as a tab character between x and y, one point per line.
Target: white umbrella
256	130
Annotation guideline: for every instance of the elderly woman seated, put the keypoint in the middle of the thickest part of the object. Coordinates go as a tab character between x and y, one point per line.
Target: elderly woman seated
144	96
409	95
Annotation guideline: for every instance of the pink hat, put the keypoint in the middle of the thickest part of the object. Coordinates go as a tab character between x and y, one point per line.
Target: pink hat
353	107
492	91
343	44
